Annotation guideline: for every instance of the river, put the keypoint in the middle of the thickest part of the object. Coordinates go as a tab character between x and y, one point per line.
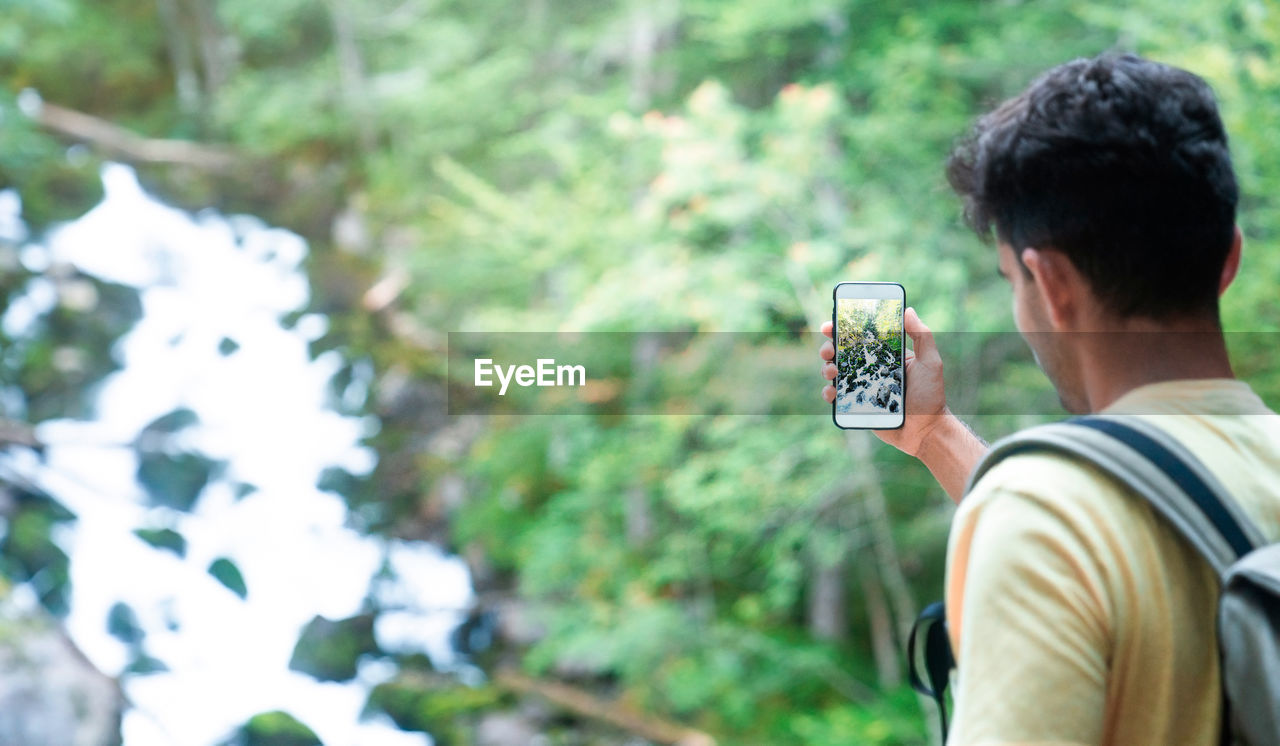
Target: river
214	290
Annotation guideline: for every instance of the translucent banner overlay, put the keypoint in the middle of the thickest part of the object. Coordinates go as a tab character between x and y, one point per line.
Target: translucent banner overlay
780	373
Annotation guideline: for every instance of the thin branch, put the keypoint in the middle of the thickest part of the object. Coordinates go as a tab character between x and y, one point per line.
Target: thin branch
618	714
126	144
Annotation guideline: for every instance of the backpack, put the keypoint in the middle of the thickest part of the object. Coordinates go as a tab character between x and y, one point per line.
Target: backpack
1179	488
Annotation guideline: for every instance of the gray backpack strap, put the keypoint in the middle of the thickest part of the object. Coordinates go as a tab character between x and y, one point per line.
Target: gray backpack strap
1157	467
1249	639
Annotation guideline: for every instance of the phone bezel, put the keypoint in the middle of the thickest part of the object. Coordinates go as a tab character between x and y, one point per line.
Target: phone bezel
835	298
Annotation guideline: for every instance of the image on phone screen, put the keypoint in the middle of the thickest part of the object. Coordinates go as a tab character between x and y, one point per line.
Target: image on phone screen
869	355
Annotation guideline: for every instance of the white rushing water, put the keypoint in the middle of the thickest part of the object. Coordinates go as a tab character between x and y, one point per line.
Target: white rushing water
262	408
878	390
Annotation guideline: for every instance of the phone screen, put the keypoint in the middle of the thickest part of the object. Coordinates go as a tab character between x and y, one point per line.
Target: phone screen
870	391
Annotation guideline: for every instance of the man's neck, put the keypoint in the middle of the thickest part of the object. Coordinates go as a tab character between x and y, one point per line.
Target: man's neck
1140	352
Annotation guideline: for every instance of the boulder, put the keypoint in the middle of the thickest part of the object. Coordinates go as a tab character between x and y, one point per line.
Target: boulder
50	695
507	729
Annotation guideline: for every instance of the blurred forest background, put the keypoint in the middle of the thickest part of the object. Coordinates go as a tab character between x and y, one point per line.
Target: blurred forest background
689	165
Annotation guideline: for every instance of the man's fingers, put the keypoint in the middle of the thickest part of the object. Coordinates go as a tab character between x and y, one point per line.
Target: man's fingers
827	351
826	328
921	336
829	371
829	393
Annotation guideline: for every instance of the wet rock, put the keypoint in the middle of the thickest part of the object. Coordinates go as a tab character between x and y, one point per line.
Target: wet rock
507	729
276	728
518	624
475	634
50	695
435	704
330	650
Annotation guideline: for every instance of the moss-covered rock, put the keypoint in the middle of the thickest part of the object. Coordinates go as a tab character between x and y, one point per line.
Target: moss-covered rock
275	728
436	705
330	650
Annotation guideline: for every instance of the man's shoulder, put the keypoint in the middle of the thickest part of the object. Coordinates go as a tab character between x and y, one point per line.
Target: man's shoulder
1242	451
1047	477
1034	496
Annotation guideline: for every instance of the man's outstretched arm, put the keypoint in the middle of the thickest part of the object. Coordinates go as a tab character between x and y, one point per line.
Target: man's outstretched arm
930	431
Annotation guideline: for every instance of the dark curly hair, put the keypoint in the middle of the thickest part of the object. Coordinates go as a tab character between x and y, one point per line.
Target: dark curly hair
1121	164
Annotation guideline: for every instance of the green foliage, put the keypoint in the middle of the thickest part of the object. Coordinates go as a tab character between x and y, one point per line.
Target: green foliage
67	349
890	720
29	553
740	198
54	186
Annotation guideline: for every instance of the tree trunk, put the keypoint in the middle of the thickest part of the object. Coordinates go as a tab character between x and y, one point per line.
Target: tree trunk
639	516
351	74
186	79
885	548
645	353
828	614
643	43
210	44
884	648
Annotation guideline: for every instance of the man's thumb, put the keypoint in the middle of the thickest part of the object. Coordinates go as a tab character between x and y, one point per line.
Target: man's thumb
921	337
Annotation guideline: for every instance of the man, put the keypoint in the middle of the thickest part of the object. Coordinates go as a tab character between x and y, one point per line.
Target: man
1076	614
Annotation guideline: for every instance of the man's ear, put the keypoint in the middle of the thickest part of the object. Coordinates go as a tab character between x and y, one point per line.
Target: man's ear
1059	284
1232	265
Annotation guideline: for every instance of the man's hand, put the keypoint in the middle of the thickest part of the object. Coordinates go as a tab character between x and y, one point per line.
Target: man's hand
926	400
930	432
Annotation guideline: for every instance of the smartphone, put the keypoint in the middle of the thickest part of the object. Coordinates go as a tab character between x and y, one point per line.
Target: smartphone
870	383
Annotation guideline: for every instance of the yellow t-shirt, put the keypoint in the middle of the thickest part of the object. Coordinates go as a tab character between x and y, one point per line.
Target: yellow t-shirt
1079	616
